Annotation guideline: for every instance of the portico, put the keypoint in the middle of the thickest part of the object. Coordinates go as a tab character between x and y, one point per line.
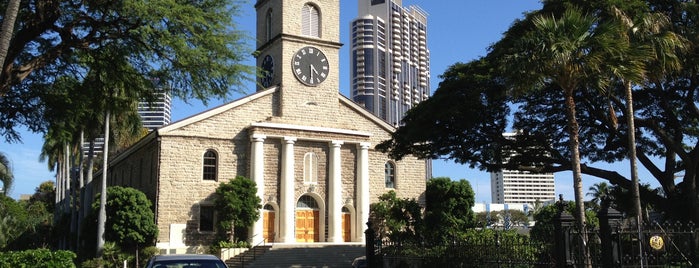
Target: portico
336	195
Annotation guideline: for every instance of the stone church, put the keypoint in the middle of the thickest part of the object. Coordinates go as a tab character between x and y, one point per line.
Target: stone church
310	150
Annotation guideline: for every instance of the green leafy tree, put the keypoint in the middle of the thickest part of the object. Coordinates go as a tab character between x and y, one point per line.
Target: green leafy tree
518	217
442	125
193	47
130	219
544	221
448	204
237	205
395	218
13	219
40	229
6	176
485	219
664	113
563	49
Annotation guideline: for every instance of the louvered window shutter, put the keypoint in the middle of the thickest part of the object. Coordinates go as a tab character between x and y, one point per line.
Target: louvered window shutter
310	21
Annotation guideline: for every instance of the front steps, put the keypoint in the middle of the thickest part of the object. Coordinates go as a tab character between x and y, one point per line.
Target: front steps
311	255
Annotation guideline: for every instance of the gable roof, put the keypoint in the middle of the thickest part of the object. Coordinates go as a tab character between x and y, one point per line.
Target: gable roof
216	110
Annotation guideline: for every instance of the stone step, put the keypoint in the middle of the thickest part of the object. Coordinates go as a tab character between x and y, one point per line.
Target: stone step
312	255
245	258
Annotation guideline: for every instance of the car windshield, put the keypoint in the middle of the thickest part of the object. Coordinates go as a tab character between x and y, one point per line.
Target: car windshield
189	264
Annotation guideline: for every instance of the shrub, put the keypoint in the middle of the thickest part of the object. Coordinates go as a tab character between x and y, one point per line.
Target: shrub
38	258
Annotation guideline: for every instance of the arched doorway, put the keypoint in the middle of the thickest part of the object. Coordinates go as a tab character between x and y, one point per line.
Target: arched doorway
307	219
268	218
346	225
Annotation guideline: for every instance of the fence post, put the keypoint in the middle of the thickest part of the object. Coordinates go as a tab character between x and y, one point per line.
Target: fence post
563	222
609	222
370	240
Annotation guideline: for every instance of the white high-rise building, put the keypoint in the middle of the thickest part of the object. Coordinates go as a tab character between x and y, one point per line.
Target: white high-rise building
390	62
513	186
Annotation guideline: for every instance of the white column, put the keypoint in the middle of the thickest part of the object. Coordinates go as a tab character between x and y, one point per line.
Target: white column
257	168
335	193
287	206
362	190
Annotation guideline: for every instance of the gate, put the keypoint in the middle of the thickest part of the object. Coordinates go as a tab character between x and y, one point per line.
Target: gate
620	243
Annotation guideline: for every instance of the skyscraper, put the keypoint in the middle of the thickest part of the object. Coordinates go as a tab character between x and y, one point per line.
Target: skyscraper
154	114
157	113
522	187
390	70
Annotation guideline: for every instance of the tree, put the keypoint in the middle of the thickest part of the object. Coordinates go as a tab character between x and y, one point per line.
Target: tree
441	126
543	218
395	218
130	219
237	205
45	193
191	46
517	217
448	204
12	220
567	50
665	118
485	219
6	176
40	227
599	192
8	25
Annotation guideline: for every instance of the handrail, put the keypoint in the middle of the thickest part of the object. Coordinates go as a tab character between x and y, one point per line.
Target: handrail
254	252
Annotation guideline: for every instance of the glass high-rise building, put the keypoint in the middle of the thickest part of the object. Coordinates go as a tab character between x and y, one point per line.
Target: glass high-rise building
390	69
154	114
157	113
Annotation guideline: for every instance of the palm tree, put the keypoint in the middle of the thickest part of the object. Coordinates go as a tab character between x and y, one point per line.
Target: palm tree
565	49
6	176
599	192
651	55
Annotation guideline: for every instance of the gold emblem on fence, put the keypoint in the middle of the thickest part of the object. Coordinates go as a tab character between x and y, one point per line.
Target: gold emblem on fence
656	242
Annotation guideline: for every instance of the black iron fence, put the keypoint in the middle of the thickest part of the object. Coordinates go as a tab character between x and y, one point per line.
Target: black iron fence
617	243
485	249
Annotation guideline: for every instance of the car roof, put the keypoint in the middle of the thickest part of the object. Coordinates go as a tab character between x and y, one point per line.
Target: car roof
185	257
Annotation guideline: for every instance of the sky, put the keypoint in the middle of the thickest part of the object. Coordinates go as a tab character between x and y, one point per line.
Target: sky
457	31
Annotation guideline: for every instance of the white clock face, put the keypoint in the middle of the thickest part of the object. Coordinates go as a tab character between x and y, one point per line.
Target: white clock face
310	66
267	71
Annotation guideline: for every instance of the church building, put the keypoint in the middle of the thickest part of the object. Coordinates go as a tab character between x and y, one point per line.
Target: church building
309	149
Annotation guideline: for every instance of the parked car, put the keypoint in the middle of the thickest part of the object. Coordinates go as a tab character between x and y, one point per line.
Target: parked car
359	262
185	261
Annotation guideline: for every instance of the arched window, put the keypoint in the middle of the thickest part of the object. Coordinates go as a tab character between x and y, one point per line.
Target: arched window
268	26
310	20
210	165
310	168
306	201
390	175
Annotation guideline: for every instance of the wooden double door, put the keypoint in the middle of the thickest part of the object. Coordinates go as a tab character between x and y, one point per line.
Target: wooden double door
307	227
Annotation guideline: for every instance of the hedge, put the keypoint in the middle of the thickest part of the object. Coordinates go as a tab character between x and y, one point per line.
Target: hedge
38	258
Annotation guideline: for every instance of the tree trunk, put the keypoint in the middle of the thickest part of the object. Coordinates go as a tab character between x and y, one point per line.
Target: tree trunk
635	192
8	26
573	132
102	219
80	199
89	195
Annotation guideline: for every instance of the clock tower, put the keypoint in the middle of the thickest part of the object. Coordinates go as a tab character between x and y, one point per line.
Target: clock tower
298	52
